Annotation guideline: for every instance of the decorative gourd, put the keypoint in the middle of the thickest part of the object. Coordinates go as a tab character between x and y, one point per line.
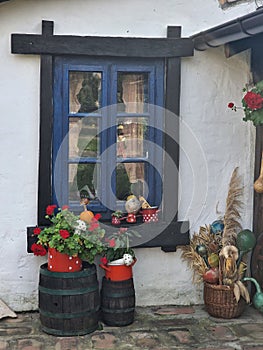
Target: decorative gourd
246	241
202	251
258	297
217	227
211	275
213	260
86	216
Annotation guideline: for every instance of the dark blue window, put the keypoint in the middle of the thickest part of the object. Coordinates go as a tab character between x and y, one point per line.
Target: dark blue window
108	123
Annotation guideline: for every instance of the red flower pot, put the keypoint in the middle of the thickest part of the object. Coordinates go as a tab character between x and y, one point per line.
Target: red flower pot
115	220
118	272
150	214
59	262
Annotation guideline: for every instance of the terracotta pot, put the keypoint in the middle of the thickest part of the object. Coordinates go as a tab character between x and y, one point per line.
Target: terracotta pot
59	262
118	272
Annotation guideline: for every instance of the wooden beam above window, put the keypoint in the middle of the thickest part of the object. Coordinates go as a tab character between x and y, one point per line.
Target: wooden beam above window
40	44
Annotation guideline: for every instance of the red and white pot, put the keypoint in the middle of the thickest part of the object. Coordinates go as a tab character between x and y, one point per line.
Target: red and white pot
59	262
150	214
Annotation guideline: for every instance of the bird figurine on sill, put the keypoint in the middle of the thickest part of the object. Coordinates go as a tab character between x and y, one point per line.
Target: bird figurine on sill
132	204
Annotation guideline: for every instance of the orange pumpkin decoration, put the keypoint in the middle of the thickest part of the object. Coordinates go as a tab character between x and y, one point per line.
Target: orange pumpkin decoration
86	216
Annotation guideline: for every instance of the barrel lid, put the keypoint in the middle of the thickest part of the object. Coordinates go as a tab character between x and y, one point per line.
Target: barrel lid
87	269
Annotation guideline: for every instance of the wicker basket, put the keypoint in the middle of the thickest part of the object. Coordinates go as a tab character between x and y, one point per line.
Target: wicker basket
220	301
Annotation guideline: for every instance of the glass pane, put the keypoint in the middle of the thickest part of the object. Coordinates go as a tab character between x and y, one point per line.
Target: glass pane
83	178
133	92
130	179
131	136
84	92
83	137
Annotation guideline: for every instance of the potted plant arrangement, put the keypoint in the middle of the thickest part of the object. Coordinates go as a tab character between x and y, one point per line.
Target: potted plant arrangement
69	300
116	217
68	240
118	256
117	291
217	255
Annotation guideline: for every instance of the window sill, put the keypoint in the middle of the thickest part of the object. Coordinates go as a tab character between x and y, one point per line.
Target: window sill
158	234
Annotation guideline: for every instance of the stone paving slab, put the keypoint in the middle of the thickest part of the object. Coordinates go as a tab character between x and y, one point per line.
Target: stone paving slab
154	328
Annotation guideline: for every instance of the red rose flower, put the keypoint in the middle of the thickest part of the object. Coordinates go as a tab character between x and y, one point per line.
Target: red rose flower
65	207
104	260
112	243
37	230
50	209
230	105
64	234
38	249
253	101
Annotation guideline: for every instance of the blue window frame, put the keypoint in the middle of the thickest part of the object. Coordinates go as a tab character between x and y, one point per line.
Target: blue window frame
90	132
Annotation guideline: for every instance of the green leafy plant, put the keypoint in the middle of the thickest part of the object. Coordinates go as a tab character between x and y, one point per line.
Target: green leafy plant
69	235
117	214
118	244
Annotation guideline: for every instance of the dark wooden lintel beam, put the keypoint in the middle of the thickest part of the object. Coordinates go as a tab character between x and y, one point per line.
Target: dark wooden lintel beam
100	46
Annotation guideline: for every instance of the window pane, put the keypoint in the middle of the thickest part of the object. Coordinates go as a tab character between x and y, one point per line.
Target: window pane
83	177
83	137
131	136
129	179
84	92
133	92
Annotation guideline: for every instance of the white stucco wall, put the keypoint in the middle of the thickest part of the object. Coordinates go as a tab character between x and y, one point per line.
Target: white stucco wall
209	82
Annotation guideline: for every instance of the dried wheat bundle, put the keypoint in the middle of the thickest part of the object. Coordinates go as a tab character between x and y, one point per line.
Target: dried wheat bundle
195	262
189	254
233	205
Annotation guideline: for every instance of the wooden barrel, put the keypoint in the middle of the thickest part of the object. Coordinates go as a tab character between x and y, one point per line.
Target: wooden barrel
69	302
117	302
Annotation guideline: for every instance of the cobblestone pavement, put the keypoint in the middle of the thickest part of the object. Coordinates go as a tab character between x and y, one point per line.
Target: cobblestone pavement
155	328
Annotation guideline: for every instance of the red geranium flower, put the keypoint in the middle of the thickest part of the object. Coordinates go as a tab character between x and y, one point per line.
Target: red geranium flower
38	249
112	243
254	101
64	234
104	260
37	230
50	209
93	225
97	216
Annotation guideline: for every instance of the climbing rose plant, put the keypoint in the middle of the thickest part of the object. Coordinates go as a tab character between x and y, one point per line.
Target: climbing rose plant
252	104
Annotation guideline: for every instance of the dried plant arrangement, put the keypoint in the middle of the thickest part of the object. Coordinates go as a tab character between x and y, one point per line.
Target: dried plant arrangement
216	254
203	245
